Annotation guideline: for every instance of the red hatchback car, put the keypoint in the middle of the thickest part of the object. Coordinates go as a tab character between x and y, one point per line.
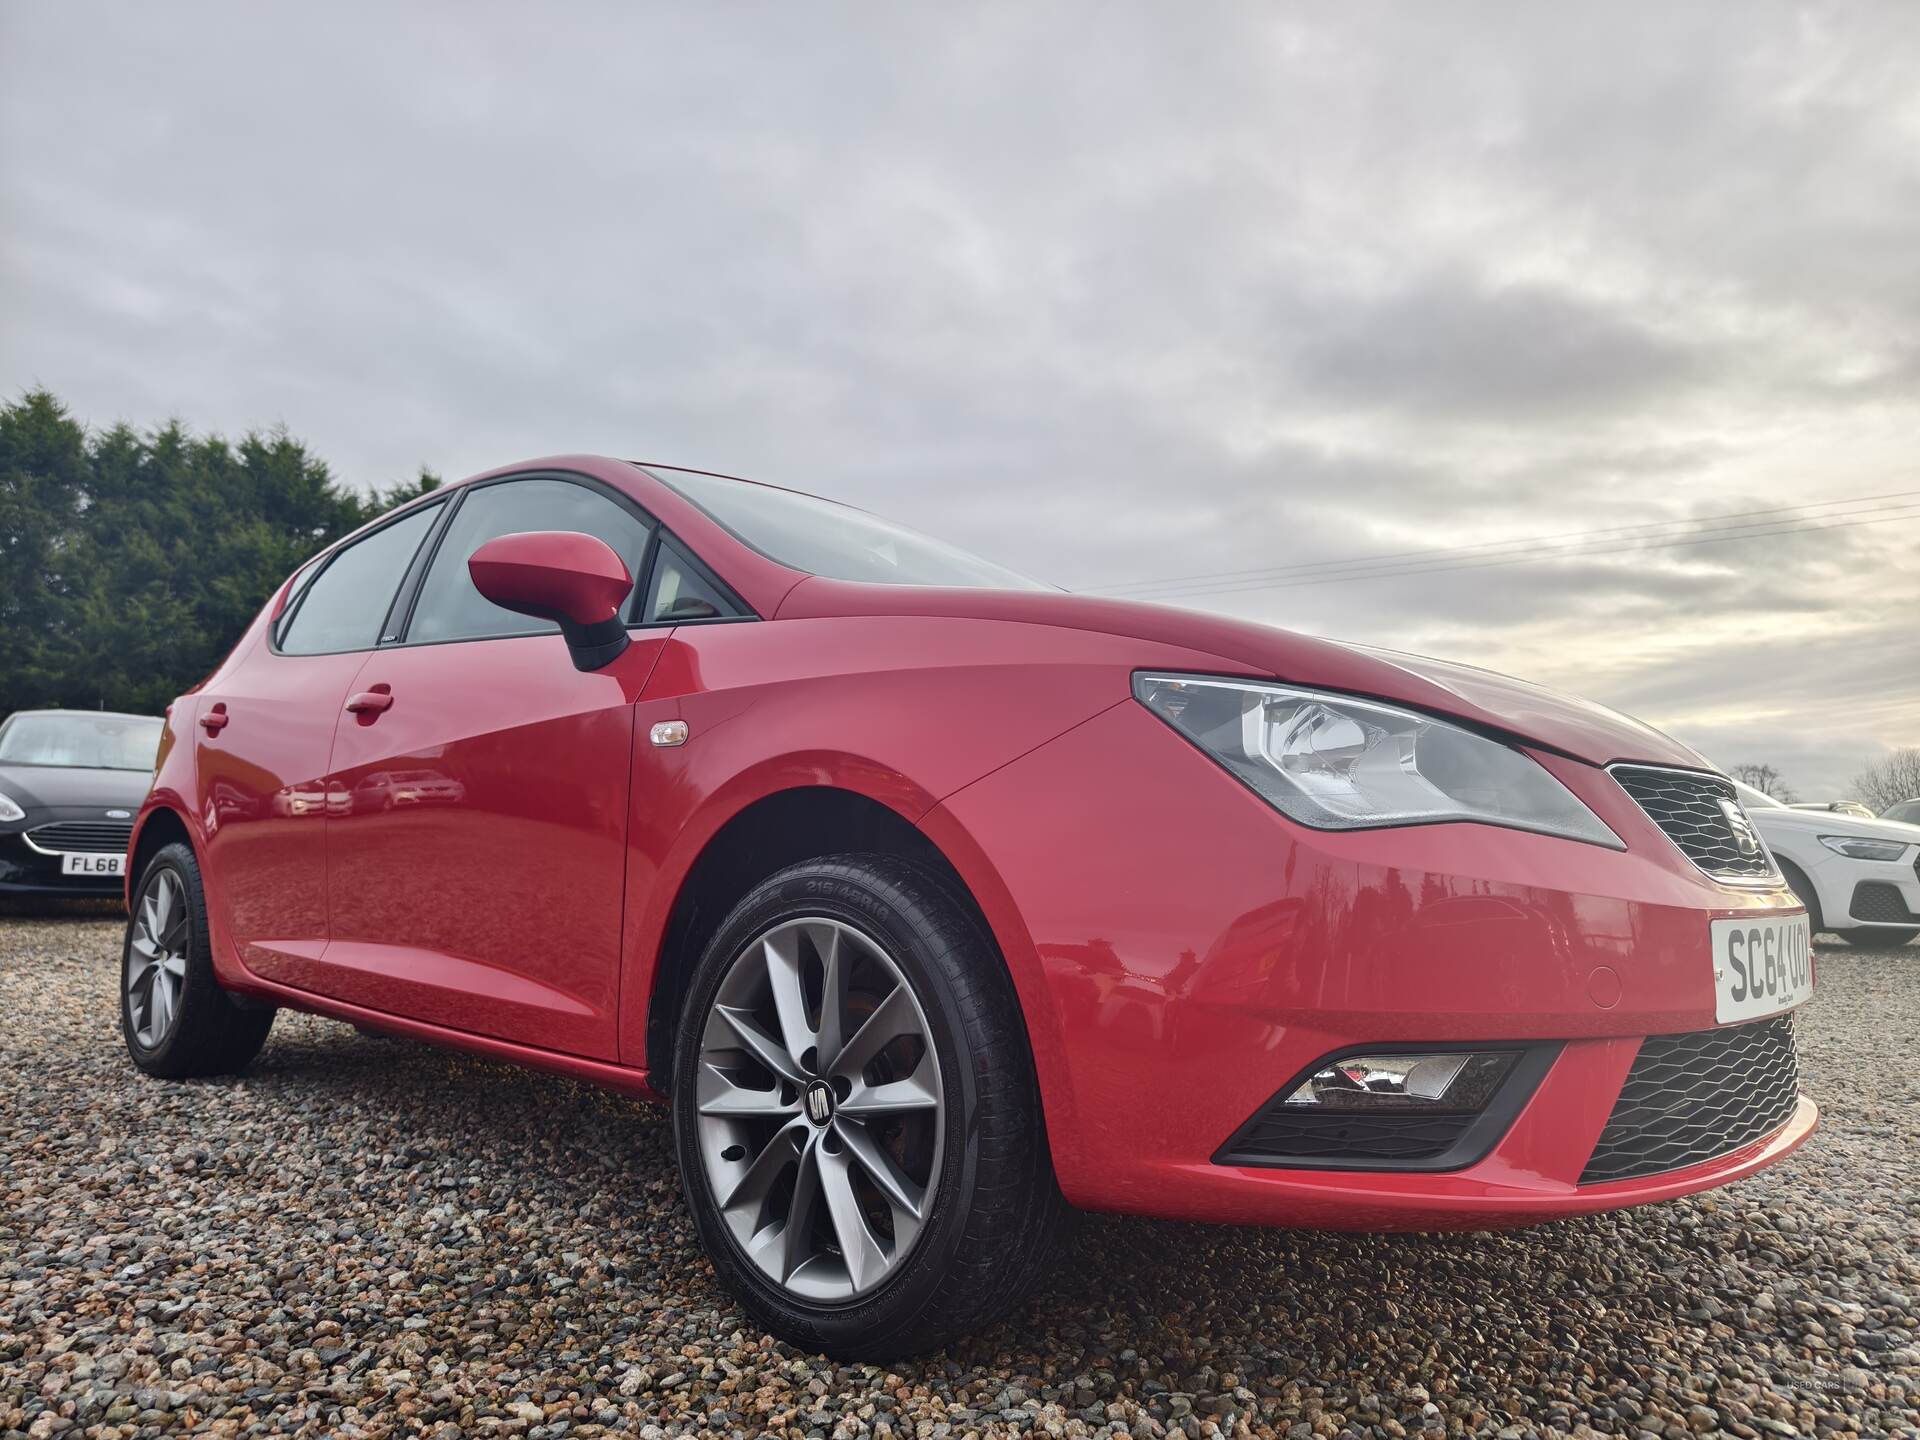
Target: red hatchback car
936	902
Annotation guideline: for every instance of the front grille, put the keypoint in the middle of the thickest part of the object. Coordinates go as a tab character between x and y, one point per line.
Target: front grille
1877	901
1694	1097
97	836
1686	805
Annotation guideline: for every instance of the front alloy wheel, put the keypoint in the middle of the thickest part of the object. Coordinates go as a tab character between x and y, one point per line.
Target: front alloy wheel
820	1108
855	1111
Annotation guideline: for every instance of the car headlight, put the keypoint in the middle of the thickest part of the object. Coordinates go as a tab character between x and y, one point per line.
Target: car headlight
1334	762
1857	848
9	810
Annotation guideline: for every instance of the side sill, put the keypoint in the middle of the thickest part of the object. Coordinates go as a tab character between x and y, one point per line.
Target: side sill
626	1080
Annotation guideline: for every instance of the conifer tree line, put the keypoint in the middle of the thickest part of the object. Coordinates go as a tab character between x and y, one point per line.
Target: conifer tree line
131	561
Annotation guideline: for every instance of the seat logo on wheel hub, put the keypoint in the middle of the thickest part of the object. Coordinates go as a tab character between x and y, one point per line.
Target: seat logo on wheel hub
819	1102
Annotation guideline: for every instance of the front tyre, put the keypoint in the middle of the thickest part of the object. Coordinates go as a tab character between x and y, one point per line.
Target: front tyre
1879	937
176	1019
858	1126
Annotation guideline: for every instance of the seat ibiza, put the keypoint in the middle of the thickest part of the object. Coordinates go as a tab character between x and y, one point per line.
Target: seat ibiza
936	902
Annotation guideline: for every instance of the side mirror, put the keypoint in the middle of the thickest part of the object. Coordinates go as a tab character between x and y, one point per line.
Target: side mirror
559	575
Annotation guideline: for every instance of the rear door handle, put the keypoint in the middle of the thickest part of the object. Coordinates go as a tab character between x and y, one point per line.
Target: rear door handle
370	702
215	720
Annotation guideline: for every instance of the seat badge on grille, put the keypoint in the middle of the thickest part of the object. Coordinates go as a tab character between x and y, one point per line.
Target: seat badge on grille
1744	835
119	814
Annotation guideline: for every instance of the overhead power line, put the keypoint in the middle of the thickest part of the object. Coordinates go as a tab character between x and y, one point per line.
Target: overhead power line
1743	525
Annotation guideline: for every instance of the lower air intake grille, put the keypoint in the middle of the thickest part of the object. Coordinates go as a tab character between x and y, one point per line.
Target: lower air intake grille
92	836
1876	900
1692	809
1694	1097
1342	1137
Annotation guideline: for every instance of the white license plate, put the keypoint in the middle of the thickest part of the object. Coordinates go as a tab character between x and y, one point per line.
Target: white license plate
93	864
1760	967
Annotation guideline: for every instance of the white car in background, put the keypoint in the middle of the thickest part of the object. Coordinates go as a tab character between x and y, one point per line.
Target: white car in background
1859	879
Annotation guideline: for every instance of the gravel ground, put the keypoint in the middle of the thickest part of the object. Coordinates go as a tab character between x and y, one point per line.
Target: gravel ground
371	1237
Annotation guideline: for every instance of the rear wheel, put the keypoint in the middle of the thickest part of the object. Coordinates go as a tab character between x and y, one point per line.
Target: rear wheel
1879	937
176	1019
857	1121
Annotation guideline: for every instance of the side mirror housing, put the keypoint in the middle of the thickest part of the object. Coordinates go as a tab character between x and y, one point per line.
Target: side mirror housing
559	575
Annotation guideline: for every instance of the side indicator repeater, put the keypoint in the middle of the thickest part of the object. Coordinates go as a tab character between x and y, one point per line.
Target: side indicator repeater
669	732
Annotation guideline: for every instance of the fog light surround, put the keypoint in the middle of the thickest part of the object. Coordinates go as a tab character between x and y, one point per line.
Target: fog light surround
1389	1107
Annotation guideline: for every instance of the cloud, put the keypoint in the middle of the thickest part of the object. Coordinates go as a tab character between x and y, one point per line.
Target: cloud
1105	295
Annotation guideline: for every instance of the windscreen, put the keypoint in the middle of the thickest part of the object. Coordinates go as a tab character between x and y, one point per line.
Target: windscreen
84	742
823	537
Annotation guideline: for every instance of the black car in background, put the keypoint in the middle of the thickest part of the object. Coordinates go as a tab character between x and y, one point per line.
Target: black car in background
70	784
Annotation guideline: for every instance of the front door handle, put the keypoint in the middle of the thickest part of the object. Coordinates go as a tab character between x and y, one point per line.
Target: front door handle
215	720
370	702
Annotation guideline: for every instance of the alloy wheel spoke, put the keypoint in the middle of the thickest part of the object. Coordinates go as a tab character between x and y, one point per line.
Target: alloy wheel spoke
891	1019
176	966
796	1236
762	1046
901	1192
142	961
160	1003
162	906
896	1097
833	993
864	1258
789	999
721	1095
756	1181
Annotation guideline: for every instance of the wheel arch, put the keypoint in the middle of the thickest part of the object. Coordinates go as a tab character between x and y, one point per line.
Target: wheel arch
161	826
165	821
1802	886
777	829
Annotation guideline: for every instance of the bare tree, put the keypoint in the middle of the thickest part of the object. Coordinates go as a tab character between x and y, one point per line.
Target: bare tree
1765	779
1890	780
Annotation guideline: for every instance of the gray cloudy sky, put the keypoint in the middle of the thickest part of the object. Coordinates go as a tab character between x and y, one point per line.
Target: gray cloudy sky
1109	293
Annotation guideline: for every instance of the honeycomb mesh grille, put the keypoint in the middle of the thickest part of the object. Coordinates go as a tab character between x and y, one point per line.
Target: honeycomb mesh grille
1876	900
1686	806
1694	1097
91	836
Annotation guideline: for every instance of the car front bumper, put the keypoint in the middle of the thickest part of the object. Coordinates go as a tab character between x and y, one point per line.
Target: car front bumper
27	871
1182	952
1859	893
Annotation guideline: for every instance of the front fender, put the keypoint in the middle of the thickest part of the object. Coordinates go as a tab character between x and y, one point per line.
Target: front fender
902	710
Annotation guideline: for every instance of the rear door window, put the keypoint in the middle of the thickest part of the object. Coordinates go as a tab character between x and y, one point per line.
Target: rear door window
345	605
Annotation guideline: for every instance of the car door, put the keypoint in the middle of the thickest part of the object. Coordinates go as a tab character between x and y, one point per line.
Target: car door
263	738
478	797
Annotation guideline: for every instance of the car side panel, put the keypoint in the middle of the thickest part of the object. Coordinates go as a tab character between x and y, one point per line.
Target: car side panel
477	840
903	710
